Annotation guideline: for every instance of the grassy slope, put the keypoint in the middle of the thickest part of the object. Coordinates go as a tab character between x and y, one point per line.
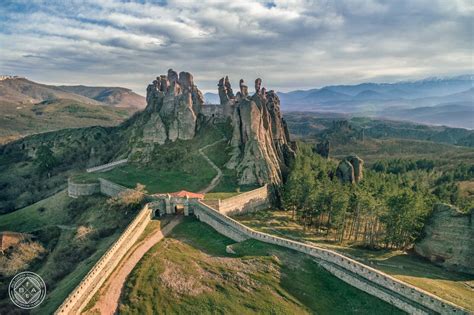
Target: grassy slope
404	266
190	273
56	228
19	120
188	170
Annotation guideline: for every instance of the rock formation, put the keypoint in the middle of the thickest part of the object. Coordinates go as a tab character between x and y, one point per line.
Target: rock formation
322	148
173	104
350	170
261	148
448	239
261	151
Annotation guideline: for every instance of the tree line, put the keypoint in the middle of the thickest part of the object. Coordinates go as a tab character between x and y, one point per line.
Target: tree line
386	209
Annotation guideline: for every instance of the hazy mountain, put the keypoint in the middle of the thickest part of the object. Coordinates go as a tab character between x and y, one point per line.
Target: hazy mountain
430	87
211	98
442	101
451	114
114	96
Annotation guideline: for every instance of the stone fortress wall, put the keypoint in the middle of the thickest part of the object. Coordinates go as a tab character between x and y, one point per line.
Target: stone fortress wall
254	200
104	186
404	296
75	190
85	290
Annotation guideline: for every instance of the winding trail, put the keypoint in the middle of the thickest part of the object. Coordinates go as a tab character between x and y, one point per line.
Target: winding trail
109	294
218	177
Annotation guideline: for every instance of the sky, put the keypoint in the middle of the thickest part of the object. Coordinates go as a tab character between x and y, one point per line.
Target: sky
292	44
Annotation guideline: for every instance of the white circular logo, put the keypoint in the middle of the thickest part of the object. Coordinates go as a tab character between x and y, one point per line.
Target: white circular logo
27	290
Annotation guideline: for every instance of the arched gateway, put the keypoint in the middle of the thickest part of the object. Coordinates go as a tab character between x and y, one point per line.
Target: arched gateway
174	203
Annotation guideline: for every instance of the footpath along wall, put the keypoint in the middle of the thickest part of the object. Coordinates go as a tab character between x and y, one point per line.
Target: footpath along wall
106	167
80	296
402	295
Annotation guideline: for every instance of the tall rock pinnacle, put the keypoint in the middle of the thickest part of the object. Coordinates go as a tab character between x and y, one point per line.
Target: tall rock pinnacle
261	150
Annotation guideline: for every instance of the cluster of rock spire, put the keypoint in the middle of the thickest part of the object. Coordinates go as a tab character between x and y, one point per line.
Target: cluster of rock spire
261	148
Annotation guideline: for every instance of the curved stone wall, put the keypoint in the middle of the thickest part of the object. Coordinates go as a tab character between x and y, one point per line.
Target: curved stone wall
75	190
404	296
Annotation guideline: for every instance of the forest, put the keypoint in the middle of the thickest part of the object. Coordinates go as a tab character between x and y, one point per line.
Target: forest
386	209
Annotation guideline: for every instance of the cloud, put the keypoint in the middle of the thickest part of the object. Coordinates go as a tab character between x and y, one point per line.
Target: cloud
289	43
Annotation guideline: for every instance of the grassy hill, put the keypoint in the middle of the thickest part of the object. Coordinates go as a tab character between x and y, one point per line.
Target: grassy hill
406	266
113	96
20	120
177	165
192	273
28	107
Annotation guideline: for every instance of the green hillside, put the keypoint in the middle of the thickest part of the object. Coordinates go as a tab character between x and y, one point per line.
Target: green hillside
20	119
75	234
193	274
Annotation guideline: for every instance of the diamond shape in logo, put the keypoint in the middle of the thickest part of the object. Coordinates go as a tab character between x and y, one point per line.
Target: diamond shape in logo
27	290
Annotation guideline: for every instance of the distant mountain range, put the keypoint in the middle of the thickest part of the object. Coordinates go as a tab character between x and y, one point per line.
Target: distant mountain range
22	90
440	101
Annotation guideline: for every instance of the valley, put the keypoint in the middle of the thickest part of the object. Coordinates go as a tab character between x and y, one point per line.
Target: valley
177	143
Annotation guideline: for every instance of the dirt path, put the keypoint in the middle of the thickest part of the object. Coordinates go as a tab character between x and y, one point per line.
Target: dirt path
110	293
217	178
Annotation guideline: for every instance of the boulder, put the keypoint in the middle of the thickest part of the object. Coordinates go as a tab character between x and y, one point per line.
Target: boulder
447	239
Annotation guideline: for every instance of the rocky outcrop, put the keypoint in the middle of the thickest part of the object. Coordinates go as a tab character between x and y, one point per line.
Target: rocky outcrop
448	239
261	151
322	148
173	105
260	142
350	170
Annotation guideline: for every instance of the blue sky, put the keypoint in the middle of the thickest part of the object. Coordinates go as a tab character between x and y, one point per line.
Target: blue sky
290	44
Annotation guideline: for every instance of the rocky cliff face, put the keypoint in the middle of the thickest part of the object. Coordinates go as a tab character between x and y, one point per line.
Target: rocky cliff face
261	149
448	239
173	105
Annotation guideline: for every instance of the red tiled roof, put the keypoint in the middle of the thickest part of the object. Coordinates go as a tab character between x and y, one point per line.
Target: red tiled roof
184	193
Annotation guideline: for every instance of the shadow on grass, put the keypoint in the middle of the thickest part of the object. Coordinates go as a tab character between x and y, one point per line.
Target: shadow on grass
299	278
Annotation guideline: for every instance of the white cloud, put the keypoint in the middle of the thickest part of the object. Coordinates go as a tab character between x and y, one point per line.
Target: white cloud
290	44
